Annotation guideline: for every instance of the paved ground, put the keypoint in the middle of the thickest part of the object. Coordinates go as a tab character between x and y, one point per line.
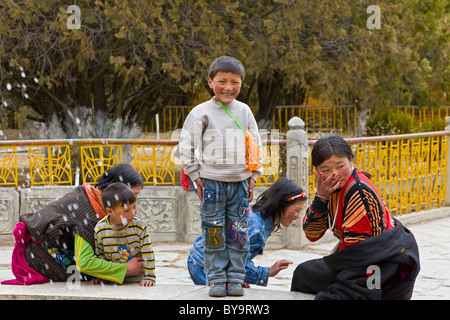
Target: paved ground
433	281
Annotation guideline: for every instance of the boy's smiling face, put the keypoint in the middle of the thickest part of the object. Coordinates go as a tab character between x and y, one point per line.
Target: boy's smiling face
122	214
226	86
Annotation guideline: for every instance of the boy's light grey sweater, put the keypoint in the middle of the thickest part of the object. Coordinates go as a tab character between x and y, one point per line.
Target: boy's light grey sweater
212	146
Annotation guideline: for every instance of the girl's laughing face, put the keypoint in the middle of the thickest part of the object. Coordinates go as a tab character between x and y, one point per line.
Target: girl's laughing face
341	167
291	213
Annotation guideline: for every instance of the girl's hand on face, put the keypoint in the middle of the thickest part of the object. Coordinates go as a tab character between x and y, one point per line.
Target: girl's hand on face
325	186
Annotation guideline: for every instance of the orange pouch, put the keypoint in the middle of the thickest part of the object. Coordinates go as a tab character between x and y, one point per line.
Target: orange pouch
252	152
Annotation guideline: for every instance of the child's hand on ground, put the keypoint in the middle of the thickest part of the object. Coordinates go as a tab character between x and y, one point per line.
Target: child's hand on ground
147	283
95	281
278	266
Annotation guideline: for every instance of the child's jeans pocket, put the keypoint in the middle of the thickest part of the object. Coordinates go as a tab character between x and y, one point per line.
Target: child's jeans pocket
210	202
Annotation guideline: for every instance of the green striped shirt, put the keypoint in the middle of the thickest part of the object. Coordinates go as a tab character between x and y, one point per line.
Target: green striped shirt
120	244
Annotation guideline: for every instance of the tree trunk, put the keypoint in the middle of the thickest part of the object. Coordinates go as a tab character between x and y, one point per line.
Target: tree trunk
361	119
269	87
98	89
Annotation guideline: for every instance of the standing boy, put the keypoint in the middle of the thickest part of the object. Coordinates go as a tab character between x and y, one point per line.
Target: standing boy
213	151
121	235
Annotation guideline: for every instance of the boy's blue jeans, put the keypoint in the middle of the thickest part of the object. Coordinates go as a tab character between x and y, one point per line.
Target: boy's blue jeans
224	216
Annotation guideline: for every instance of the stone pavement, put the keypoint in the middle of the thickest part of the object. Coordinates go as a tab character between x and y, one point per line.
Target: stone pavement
433	282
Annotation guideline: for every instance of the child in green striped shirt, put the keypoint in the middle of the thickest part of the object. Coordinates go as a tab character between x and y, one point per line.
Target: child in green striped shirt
121	235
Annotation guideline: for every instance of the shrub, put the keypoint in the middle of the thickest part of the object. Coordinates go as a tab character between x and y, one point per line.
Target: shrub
433	125
388	122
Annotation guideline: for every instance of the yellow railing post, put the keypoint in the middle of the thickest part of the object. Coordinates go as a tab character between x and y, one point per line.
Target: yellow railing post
8	166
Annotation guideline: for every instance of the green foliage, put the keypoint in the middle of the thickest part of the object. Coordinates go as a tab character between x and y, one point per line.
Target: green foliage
133	57
388	122
433	125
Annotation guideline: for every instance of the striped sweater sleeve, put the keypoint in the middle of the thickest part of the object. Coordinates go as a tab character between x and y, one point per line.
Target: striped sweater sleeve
190	140
315	222
148	256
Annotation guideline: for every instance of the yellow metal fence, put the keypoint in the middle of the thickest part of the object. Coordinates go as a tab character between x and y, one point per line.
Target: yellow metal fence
319	119
49	162
409	171
337	119
340	119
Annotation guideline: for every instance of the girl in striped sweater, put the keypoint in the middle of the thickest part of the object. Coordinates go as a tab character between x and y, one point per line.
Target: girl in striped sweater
348	204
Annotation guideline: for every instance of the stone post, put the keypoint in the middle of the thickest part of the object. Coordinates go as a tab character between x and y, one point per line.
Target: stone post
447	194
9	214
297	171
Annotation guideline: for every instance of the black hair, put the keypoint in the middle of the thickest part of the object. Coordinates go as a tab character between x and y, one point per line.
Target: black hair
274	201
328	146
117	193
121	172
332	145
228	65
